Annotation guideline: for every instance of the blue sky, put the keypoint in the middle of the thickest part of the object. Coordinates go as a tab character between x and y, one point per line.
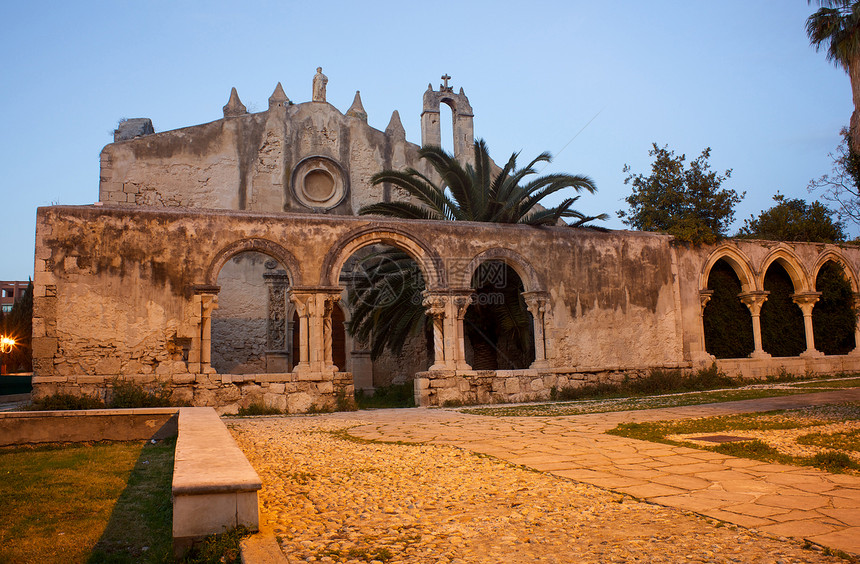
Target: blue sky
738	76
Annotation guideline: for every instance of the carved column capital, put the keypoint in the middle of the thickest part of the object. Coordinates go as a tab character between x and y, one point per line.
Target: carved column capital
536	302
704	297
754	301
806	301
434	303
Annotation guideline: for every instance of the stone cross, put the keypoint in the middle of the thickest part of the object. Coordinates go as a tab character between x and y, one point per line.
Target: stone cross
446	78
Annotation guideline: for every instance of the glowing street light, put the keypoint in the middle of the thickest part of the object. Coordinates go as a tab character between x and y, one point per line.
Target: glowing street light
6	344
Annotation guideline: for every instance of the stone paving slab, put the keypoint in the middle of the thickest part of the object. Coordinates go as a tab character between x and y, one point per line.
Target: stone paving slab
779	499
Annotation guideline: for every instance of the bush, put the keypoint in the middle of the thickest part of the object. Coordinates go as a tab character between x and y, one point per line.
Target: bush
832	461
125	393
395	395
122	394
259	409
62	402
658	381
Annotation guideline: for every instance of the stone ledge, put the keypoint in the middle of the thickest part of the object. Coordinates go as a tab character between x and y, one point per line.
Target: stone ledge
214	485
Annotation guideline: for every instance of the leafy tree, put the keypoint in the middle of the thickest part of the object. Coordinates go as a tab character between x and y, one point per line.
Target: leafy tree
794	220
836	27
387	295
688	203
842	186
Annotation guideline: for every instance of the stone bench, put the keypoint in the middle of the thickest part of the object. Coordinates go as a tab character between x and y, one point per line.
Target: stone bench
214	486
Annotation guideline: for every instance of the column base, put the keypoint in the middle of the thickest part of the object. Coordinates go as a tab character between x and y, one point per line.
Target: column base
760	354
702	357
811	354
539	364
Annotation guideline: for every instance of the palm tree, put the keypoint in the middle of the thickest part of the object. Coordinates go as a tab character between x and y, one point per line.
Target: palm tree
836	25
476	194
482	193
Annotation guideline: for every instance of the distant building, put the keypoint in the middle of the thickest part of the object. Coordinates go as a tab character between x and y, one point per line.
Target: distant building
10	292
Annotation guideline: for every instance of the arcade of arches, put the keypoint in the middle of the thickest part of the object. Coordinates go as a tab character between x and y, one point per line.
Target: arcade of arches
136	294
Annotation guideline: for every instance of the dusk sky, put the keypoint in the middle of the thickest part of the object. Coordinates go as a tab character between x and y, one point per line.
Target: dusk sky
593	83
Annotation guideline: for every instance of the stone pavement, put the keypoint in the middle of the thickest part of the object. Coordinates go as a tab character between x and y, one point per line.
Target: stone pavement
788	501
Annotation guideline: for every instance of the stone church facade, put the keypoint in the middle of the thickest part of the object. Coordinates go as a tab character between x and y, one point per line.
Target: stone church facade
216	259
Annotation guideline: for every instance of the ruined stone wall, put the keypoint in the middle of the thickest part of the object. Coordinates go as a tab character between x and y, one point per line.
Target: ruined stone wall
259	162
117	289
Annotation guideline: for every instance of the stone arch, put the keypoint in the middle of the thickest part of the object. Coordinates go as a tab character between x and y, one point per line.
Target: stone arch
837	257
792	265
739	262
521	266
425	256
274	250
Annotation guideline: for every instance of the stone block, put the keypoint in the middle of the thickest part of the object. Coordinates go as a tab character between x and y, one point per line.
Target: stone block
512	386
109	365
182	396
44	347
277	388
228	394
185	378
536	385
299	402
276	401
449	395
90	379
325	388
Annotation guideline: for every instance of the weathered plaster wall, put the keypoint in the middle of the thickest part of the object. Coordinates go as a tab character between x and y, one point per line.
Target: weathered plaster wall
247	162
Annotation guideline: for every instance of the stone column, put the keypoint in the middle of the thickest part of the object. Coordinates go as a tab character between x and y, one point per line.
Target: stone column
536	302
754	301
314	308
328	303
209	303
303	307
806	301
434	305
856	350
460	303
703	355
276	330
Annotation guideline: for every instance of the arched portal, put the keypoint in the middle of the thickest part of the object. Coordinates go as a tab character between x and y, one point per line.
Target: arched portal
727	321
249	328
782	328
834	319
498	327
387	322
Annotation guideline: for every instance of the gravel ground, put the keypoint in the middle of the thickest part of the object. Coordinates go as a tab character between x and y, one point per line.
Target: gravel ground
334	500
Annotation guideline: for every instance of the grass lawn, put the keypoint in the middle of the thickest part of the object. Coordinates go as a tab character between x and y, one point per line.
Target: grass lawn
90	502
836	447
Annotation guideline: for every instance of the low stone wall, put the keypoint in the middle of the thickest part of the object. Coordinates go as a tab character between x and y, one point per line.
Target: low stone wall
288	392
469	387
22	427
761	368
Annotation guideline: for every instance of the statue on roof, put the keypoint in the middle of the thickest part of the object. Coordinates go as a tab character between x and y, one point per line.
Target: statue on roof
320	81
